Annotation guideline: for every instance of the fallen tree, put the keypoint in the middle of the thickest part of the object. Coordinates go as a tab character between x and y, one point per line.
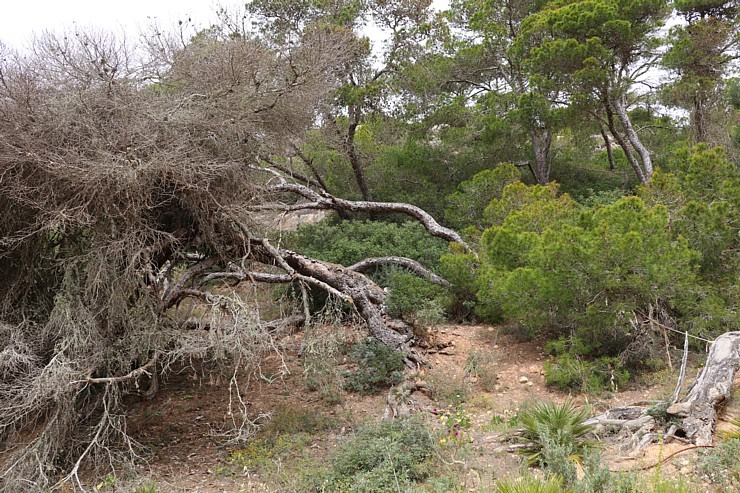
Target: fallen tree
132	189
639	425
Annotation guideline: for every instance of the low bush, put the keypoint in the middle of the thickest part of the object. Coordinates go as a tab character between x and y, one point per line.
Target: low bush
378	366
547	425
528	483
570	372
722	465
413	299
387	457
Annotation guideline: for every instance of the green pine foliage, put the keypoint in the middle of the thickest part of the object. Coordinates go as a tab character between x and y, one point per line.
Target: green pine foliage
550	263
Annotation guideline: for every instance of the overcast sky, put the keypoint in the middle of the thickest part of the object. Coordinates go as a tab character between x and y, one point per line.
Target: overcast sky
19	19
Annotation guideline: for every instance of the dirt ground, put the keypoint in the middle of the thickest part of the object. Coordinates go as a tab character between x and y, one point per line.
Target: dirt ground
184	425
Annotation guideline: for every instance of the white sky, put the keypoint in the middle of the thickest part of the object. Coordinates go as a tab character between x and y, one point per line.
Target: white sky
19	19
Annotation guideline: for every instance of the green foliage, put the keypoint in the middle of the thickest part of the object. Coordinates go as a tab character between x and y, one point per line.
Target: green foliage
378	366
414	299
700	189
382	458
261	452
552	263
347	242
461	270
528	483
466	205
547	425
571	372
722	464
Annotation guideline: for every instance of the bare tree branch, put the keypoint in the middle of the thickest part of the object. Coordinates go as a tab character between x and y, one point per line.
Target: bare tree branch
330	202
412	265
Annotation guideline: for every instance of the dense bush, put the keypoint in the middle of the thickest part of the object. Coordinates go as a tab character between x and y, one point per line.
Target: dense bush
550	263
378	366
347	242
414	299
572	371
465	206
382	458
700	189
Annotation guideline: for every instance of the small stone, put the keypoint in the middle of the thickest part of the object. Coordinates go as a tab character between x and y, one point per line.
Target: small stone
523	379
495	346
530	383
685	470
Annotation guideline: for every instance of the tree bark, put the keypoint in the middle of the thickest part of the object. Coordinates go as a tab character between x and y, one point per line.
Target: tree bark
621	111
354	159
541	140
711	390
330	202
624	144
608	144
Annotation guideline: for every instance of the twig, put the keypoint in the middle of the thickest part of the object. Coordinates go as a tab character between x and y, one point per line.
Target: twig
142	370
662	461
682	373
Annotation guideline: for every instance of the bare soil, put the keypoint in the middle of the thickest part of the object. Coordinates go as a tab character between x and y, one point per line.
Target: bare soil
492	370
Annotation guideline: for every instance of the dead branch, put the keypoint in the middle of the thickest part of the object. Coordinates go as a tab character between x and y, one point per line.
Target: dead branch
326	201
133	375
412	265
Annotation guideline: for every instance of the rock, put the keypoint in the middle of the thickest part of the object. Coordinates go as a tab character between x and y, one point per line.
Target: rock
523	379
530	383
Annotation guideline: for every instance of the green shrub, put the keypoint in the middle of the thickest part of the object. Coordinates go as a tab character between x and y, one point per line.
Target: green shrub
414	299
550	263
722	464
461	270
261	452
528	483
382	458
569	372
548	425
465	206
348	242
378	366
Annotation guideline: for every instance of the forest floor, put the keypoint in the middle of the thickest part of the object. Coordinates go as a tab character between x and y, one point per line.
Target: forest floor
492	373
